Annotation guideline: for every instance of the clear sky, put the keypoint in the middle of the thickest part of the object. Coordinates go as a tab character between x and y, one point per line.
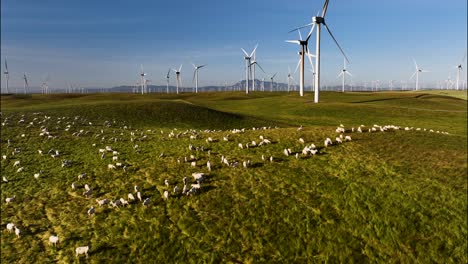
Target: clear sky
102	43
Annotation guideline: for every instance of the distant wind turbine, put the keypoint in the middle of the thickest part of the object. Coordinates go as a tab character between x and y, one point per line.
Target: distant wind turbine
302	52
7	75
167	81
179	81
195	75
290	78
271	83
143	81
459	69
343	73
418	70
248	58
26	85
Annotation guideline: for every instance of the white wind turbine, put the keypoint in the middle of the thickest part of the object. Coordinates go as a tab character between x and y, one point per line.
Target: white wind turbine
167	81
248	58
252	65
45	85
271	82
302	53
142	79
26	85
343	73
318	21
459	69
195	75
179	81
290	78
418	70
7	75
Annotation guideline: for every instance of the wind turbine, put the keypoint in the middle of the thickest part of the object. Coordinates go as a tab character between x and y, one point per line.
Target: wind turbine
179	83
167	81
418	70
343	74
290	78
26	85
318	21
45	86
195	75
248	59
271	83
459	69
143	81
7	75
252	65
304	49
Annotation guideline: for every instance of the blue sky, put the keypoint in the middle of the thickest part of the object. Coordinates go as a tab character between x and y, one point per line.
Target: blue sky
103	43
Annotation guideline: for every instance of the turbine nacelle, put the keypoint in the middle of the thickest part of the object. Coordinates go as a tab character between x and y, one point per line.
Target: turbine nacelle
318	20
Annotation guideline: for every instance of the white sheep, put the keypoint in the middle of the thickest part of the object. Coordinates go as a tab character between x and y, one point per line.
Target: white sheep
87	193
86	186
111	167
271	158
196	186
53	240
198	176
124	202
10	199
81	176
208	165
139	196
136	188
146	202
166	182
348	138
338	140
102	202
81	251
241	146
73	186
4	179
115	158
115	153
166	195
131	197
193	164
10	227
91	210
17	232
286	152
176	189
301	141
17	163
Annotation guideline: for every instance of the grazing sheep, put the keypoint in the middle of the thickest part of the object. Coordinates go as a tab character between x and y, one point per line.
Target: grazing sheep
81	176
131	197
301	141
271	158
17	232
4	179
115	153
115	158
176	189
348	138
185	180
208	165
139	196
81	251
53	240
241	146
10	227
166	182
286	152
166	195
193	164
17	163
146	202
198	176
136	188
87	193
91	210
73	186
4	157
10	199
338	140
111	167
124	202
102	202
86	186
327	142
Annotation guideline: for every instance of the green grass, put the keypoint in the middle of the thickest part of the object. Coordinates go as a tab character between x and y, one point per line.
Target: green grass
397	196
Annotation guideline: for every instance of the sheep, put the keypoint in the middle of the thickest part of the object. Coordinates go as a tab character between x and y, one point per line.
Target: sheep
36	175
297	155
4	157
285	151
131	197
176	189
241	146
111	166
115	204
102	202
115	153
136	188
86	186
73	186
348	138
193	164
103	155
91	210
271	158
124	202
146	202
4	179
166	195
359	130
10	227
338	140
17	232
185	180
87	193
10	199
166	182
81	251
198	176
208	165
81	176
53	240
139	196
115	158
301	141
17	163
327	142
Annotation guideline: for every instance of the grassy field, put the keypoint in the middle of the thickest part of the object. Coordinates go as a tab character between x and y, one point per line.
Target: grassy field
393	196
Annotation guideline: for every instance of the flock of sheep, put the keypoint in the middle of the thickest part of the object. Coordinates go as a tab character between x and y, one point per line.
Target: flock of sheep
102	136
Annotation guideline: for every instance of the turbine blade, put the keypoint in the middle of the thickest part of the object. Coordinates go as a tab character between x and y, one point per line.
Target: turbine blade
415	64
325	7
310	33
301	27
293	41
347	72
180	68
194	73
413	75
201	66
253	52
300	35
169	71
274	75
339	75
298	63
245	52
310	60
293	80
289	70
336	42
194	66
260	67
6	66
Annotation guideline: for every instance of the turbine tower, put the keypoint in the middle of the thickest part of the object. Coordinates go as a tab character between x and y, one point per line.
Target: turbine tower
318	21
252	65
7	76
143	81
179	83
248	59
459	69
26	85
167	81
343	74
418	70
195	75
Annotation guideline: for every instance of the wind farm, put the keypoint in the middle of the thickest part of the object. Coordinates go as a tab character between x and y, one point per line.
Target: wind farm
284	144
